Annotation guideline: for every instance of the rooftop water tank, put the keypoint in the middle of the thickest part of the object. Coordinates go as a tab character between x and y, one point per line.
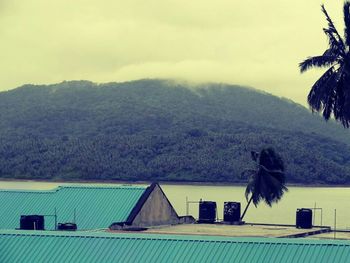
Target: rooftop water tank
232	211
304	218
207	212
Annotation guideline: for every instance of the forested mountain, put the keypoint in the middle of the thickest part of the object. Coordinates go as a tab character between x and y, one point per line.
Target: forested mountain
162	130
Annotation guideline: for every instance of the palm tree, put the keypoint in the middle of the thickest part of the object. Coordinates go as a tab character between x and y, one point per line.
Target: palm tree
331	92
267	182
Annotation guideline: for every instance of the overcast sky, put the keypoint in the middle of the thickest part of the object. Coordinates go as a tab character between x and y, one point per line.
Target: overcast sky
258	43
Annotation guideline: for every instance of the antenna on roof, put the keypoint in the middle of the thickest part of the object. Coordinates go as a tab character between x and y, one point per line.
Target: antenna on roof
55	218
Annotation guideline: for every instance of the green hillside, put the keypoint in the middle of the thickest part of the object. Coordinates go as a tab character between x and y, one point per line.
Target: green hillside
162	130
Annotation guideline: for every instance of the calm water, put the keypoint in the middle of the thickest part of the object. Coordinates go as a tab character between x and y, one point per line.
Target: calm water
284	212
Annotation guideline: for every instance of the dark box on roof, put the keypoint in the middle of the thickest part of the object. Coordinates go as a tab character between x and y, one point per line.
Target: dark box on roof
32	222
207	212
232	211
304	218
67	226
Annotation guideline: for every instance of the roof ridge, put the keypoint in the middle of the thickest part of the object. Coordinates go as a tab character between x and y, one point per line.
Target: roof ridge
78	186
92	186
44	191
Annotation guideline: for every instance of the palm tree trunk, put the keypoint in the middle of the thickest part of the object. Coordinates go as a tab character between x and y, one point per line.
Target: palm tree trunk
246	208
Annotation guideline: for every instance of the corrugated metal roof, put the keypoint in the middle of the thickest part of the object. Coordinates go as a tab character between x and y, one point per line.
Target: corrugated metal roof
39	246
95	206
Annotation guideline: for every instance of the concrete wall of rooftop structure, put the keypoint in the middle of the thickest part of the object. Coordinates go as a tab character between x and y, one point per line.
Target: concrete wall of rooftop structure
157	210
152	209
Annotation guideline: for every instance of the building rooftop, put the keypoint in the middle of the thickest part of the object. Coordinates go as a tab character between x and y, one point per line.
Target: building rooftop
52	246
91	207
340	235
246	230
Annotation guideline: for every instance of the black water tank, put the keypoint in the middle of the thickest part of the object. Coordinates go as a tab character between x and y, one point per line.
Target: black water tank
32	222
207	212
232	211
67	226
304	218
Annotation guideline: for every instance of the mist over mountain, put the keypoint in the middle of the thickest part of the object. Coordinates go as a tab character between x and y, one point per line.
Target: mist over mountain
162	130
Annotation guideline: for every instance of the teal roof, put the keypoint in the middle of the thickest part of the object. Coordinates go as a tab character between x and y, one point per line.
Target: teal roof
41	246
94	206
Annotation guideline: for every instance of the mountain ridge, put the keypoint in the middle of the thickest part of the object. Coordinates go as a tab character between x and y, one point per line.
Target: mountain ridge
162	130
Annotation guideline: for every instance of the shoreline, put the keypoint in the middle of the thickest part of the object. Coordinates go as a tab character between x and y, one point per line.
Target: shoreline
228	184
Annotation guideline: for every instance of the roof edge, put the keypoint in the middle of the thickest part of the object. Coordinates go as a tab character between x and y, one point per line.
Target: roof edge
56	189
178	237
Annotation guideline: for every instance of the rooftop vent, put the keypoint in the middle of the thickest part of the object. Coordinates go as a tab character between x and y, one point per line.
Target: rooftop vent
67	227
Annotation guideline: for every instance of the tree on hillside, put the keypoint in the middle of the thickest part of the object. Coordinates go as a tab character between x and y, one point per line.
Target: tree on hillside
331	92
267	181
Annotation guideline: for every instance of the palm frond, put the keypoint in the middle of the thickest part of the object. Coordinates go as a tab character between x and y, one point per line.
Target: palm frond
328	104
342	99
332	28
336	47
329	52
346	10
270	160
322	91
261	189
277	189
330	94
268	182
339	109
250	187
317	61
